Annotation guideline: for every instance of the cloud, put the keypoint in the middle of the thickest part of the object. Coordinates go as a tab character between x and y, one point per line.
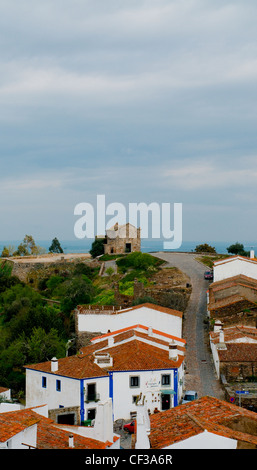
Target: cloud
204	174
143	100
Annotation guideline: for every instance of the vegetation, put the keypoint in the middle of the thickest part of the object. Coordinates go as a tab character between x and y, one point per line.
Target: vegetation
26	248
31	330
7	251
55	246
36	318
209	260
205	248
237	249
32	327
97	248
138	261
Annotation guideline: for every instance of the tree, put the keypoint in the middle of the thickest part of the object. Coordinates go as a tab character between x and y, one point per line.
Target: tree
97	248
205	248
28	247
237	249
55	246
78	290
7	251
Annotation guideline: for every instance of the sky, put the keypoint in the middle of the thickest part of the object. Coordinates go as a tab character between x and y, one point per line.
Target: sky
138	100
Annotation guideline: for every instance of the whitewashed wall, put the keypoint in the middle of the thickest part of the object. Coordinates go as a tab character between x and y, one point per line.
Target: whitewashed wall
27	436
38	395
234	267
205	440
216	360
150	386
102	389
146	316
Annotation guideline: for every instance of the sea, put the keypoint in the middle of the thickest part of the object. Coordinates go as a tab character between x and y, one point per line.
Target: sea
147	245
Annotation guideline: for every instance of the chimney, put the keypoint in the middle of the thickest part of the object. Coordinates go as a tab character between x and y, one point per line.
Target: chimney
150	331
173	351
110	341
217	326
252	254
71	440
54	364
222	338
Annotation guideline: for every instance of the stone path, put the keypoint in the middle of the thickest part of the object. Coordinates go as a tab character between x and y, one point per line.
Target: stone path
110	264
200	373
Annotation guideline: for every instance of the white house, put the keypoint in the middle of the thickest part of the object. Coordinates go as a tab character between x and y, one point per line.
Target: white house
18	429
30	428
90	319
120	365
206	423
233	266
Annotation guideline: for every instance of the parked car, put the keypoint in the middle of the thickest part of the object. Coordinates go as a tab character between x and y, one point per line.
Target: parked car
208	275
130	427
190	396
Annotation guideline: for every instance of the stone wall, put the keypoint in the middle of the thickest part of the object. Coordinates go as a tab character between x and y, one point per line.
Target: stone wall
232	370
53	414
118	244
239	312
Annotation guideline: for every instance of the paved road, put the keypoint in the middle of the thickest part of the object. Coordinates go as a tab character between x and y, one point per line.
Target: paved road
200	373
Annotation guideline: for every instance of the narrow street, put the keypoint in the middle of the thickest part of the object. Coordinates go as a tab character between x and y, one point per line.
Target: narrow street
200	373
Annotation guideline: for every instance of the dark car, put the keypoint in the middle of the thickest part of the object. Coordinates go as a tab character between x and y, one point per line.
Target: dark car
130	427
208	275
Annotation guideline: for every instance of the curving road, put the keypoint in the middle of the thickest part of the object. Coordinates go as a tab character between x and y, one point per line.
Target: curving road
200	373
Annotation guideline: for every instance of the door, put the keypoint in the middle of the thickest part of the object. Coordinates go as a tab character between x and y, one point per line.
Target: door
128	248
165	402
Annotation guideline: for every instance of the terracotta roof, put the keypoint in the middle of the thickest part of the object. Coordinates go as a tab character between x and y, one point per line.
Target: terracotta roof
132	355
137	355
170	311
232	258
49	435
133	328
4	389
236	332
76	367
238	279
81	309
230	300
238	352
207	413
13	422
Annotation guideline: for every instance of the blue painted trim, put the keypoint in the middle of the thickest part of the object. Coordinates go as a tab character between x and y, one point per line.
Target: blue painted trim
176	387
82	407
111	385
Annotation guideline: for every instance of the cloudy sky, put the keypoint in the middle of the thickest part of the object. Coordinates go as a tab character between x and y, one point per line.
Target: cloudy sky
140	100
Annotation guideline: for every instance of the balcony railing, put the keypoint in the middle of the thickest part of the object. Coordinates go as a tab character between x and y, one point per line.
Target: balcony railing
92	397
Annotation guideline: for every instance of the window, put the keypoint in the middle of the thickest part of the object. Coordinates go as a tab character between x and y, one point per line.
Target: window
44	382
91	413
134	381
91	392
58	385
166	379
